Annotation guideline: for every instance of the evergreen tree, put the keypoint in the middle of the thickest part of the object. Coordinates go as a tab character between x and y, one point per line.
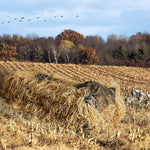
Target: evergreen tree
37	54
120	53
142	54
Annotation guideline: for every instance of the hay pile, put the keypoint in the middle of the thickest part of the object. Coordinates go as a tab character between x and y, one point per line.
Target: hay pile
55	99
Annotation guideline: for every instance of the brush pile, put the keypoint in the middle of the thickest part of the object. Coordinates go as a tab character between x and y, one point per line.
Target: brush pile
55	99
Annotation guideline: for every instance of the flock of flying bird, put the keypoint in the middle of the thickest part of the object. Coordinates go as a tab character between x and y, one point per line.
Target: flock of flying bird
38	17
138	95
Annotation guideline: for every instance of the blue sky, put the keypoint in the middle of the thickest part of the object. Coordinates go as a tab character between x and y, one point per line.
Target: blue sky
96	17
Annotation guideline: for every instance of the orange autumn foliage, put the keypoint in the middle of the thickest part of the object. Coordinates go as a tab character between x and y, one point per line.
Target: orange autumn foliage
7	53
88	55
70	35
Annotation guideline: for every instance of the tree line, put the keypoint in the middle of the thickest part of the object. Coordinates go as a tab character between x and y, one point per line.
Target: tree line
72	47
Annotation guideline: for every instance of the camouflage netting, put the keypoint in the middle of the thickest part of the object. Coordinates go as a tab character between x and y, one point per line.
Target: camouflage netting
55	99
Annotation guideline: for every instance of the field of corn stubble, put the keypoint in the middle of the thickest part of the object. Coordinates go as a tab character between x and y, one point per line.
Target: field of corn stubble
22	130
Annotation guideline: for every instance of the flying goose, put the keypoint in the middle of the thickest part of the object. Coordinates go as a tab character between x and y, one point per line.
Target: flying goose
38	17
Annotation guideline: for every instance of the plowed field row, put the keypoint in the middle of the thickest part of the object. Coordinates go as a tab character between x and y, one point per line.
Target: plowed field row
127	77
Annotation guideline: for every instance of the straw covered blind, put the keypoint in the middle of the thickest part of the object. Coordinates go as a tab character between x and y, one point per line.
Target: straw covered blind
55	99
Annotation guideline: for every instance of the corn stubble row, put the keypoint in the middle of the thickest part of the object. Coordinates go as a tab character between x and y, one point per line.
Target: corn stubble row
127	77
54	99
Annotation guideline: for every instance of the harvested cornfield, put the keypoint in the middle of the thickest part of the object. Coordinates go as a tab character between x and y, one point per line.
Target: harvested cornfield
21	129
127	77
55	99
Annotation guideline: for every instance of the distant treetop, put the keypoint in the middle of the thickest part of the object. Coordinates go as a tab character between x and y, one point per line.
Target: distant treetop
70	35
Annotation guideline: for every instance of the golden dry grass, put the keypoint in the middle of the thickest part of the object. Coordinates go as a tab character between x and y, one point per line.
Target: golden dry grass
133	132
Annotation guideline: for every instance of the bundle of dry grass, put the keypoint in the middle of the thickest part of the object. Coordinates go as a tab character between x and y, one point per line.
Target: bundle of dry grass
55	99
